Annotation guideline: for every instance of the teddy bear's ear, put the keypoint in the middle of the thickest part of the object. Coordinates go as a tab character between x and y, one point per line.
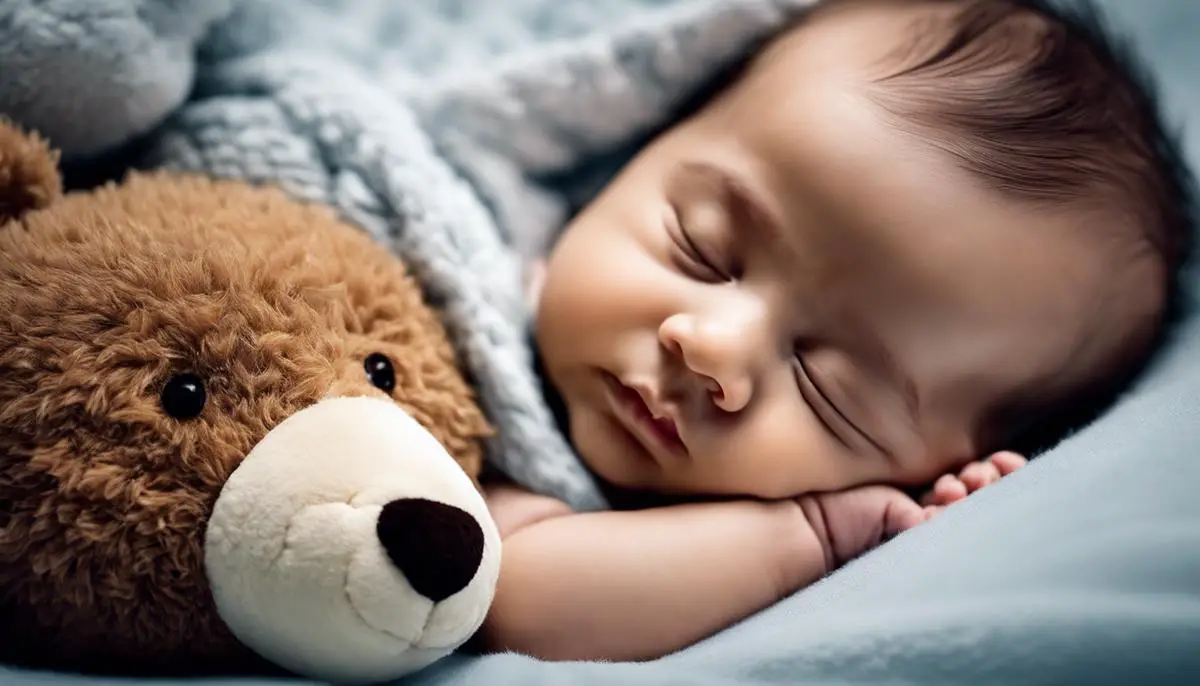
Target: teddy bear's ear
29	177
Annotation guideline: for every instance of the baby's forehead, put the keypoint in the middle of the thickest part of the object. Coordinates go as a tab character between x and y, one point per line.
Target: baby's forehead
839	51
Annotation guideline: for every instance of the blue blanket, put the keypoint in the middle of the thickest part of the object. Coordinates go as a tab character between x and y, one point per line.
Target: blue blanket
430	124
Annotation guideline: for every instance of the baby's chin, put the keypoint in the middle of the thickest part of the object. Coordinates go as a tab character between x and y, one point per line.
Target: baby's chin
603	461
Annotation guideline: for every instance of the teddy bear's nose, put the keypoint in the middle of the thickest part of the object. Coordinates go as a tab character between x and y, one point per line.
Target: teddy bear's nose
438	547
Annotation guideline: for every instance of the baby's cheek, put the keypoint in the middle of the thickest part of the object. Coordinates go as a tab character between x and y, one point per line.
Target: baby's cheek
784	452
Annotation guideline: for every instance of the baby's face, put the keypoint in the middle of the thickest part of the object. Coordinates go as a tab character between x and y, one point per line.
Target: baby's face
784	294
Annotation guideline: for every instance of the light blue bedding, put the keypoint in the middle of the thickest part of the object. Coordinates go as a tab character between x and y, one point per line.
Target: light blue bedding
1082	568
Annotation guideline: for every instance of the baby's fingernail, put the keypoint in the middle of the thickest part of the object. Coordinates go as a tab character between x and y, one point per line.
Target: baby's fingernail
946	482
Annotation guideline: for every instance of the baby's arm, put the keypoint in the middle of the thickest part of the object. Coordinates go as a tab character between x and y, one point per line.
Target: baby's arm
641	584
638	585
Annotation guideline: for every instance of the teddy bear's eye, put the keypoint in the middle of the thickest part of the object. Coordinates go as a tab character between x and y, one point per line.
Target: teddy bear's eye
380	371
183	396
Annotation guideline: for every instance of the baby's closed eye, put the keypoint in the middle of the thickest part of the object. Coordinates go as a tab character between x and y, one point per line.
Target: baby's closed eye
694	256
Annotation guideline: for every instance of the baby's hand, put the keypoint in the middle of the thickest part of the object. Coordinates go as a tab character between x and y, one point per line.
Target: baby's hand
951	488
851	522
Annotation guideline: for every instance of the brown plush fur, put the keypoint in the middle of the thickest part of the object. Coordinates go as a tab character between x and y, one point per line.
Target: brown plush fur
28	173
103	296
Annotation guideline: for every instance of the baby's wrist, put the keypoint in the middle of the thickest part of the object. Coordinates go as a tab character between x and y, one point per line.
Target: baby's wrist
807	553
818	525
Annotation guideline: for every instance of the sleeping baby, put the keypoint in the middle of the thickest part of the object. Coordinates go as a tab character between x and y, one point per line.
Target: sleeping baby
909	235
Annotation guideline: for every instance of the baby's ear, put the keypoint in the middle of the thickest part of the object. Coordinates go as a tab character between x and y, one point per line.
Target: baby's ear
29	178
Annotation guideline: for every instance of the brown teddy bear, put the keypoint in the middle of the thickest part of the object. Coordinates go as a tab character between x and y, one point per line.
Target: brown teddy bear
232	434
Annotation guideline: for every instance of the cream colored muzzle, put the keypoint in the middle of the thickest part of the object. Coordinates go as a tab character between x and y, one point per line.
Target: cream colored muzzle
350	547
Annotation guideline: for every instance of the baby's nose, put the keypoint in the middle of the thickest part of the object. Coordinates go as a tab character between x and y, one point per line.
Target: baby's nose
437	547
719	351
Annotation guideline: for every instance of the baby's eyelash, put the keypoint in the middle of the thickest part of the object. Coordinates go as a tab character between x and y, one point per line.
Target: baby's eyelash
695	252
802	379
805	378
693	255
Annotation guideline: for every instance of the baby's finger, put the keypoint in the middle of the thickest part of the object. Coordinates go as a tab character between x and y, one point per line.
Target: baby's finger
979	474
930	497
948	489
1007	462
901	515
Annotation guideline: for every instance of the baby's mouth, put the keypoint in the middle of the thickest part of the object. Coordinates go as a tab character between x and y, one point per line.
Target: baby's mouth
663	426
634	411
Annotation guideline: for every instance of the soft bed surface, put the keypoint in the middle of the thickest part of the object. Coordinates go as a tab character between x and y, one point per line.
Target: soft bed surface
1082	568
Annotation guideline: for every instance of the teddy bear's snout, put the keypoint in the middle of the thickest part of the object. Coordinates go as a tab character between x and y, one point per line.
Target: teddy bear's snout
349	543
438	547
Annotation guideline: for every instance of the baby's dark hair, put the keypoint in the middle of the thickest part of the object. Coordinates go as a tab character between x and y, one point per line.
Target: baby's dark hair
1044	104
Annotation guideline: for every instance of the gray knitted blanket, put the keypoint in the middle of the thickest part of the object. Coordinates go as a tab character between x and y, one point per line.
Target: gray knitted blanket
432	124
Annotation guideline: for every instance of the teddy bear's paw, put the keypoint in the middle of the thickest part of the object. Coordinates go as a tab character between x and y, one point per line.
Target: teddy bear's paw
350	546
